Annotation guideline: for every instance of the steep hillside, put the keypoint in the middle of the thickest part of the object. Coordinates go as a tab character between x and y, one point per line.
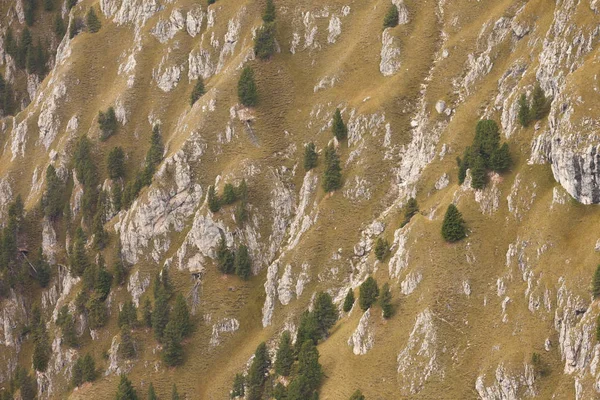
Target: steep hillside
468	316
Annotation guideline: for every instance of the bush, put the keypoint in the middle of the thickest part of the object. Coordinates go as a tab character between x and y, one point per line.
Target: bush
264	41
116	163
285	355
369	291
392	17
310	156
339	129
125	390
107	121
453	227
332	176
247	92
382	249
524	111
325	313
385	301
93	22
243	263
349	301
198	91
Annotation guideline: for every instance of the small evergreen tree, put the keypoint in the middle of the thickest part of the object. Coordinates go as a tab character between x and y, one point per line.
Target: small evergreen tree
385	301
29	7
103	281
325	313
524	111
96	311
243	263
53	198
453	227
107	121
79	260
228	194
410	209
128	315
77	373
74	27
392	17
160	316
88	368
349	301
258	371
154	155
269	12
127	346
174	393
116	163
42	267
310	156
539	104
119	270
198	91
225	258
264	41
181	316
211	2
596	283
42	349
478	173
332	177
172	354
69	333
152	392
59	27
48	5
357	395
285	355
382	249
247	92
339	129
237	389
93	22
369	291
501	159
214	204
147	313
487	139
308	365
125	390
308	329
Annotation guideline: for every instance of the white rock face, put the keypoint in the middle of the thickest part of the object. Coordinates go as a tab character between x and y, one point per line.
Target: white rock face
334	29
167	76
442	182
19	139
271	291
390	54
363	338
285	285
507	386
13	310
418	361
306	213
200	64
409	284
399	259
48	241
440	106
226	325
48	121
193	22
136	286
165	30
403	16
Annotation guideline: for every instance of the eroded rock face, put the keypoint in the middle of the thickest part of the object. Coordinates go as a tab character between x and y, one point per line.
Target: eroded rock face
363	339
226	325
390	54
507	386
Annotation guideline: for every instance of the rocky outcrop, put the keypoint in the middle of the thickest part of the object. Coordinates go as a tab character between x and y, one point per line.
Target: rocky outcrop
363	338
507	386
390	54
226	325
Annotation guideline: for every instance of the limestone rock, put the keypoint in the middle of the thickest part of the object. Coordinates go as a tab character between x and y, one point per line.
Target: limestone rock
363	338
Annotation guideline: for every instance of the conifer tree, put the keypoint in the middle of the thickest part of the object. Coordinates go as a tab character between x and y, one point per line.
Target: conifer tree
487	139
369	292
107	121
382	249
524	111
237	389
42	349
42	267
228	194
172	354
93	22
174	393
198	91
48	5
152	392
325	313
103	280
247	92
332	177
116	163
125	390
501	159
309	367
258	371
119	272
392	17
128	315
214	204
349	301
285	355
478	173
539	104
59	27
29	7
160	316
357	395
96	311
79	259
243	263
264	41
310	156
126	347
269	12
88	368
67	325
308	329
77	373
74	27
339	129
52	200
147	313
225	258
385	301
410	209
596	283
453	227
180	316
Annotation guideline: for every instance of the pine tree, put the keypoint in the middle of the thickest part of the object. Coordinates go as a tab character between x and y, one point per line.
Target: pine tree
27	385
339	129
332	177
392	17
93	22
88	368
269	12
79	259
357	395
310	156
349	301
115	163
198	91
107	121
181	316
325	313
382	249
53	198
237	389
172	354
264	41
385	301
42	267
119	272
77	373
228	194
128	315
151	392
59	27
100	234
369	291
117	196
258	370
174	393
501	159
214	204
539	104
125	390
285	355
154	155
487	139
42	349
453	227
29	7
596	283
147	313
97	315
69	333
103	280
243	263
478	173
524	111
247	92
410	209
160	317
308	329
308	364
74	27
126	347
48	5
241	213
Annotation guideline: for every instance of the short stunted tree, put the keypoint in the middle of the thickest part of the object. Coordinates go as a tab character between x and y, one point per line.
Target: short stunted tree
392	17
369	292
453	227
93	22
285	355
332	176
349	300
247	92
339	129
385	301
198	91
382	249
107	121
310	156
